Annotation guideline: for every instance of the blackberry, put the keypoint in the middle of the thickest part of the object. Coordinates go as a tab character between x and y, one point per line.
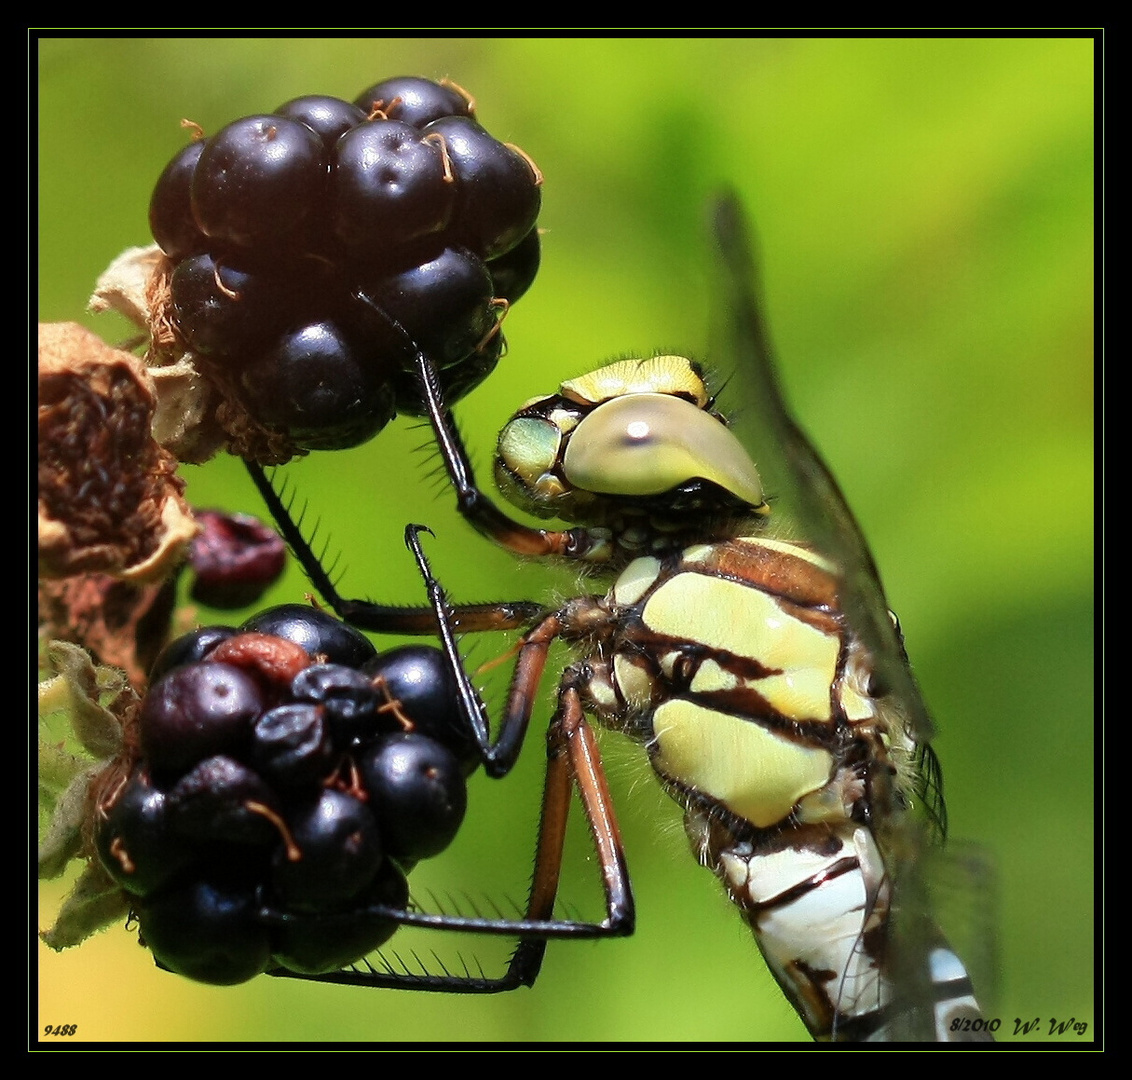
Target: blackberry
348	700
319	386
170	210
315	945
189	649
207	928
417	792
135	841
420	680
391	188
444	304
196	711
220	800
513	273
225	310
335	853
318	248
328	117
291	746
277	800
456	380
497	188
320	634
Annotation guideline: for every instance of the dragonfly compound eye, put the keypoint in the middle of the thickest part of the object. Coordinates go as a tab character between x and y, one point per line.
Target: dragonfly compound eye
647	444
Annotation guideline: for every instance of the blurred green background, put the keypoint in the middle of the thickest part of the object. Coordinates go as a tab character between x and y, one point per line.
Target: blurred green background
925	213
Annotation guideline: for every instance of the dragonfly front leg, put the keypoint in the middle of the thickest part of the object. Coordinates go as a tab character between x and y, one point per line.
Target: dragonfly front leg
474	506
383	618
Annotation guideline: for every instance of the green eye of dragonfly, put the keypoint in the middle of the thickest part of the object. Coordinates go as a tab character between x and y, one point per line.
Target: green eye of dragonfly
647	444
526	455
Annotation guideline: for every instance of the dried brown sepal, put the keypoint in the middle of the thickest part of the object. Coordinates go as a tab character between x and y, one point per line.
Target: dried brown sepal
185	422
136	284
248	438
165	343
124	286
119	623
110	500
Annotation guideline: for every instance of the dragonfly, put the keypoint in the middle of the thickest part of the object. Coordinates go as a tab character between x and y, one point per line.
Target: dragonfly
743	640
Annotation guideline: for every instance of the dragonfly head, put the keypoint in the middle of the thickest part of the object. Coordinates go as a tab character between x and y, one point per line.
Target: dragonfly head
636	436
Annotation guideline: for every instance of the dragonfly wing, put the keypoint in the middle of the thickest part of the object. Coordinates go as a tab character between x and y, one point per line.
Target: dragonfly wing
807	502
804	493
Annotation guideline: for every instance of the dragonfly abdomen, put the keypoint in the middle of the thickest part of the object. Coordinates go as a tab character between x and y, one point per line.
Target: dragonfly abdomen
818	902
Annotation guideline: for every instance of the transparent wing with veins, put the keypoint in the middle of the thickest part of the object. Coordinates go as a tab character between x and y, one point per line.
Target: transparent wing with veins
805	495
808	505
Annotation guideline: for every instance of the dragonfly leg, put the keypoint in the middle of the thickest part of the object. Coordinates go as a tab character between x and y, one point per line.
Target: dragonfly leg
381	618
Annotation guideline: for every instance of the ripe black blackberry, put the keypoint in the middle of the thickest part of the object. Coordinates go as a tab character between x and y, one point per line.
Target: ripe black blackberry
392	188
283	789
317	248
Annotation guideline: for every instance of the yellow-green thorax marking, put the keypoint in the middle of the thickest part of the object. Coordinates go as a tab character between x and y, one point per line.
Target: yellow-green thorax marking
732	660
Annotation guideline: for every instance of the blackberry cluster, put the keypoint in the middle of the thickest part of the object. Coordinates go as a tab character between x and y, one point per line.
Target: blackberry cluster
289	777
318	247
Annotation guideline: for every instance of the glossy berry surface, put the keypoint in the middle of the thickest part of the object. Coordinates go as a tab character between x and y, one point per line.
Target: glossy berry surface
292	747
337	853
170	208
391	188
328	117
221	801
513	273
317	632
445	304
196	711
288	777
136	843
347	699
316	945
258	180
318	384
417	792
414	100
420	679
206	929
316	250
189	649
223	308
498	195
